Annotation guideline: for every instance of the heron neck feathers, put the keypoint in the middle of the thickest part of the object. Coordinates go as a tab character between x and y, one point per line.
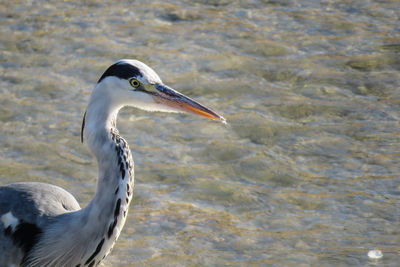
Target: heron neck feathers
91	232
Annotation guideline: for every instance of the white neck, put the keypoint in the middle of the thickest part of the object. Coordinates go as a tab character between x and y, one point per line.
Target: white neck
92	231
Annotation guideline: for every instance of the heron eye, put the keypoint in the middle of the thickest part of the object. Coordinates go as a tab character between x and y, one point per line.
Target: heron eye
135	83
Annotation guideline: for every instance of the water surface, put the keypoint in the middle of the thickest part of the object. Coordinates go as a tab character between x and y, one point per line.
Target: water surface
305	173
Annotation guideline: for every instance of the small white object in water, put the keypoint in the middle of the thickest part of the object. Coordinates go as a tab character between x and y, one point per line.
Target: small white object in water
375	254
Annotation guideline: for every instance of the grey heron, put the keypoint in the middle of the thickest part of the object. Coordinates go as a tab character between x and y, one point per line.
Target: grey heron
42	224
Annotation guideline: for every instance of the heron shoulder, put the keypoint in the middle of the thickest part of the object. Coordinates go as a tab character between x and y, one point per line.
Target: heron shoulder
25	209
40	200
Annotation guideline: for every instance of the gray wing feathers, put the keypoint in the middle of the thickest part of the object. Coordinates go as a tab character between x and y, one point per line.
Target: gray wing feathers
34	202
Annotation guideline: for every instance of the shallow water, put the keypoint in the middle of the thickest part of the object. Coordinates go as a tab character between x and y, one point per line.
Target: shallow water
306	172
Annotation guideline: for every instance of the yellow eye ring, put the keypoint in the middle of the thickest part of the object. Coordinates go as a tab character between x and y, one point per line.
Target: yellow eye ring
135	83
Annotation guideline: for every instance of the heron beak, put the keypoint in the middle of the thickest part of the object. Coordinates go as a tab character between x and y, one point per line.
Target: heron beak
168	96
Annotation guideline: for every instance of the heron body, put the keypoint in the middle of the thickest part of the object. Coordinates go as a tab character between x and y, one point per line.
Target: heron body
42	224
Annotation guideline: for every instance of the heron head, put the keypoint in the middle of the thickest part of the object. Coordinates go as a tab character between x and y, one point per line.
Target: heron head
132	83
